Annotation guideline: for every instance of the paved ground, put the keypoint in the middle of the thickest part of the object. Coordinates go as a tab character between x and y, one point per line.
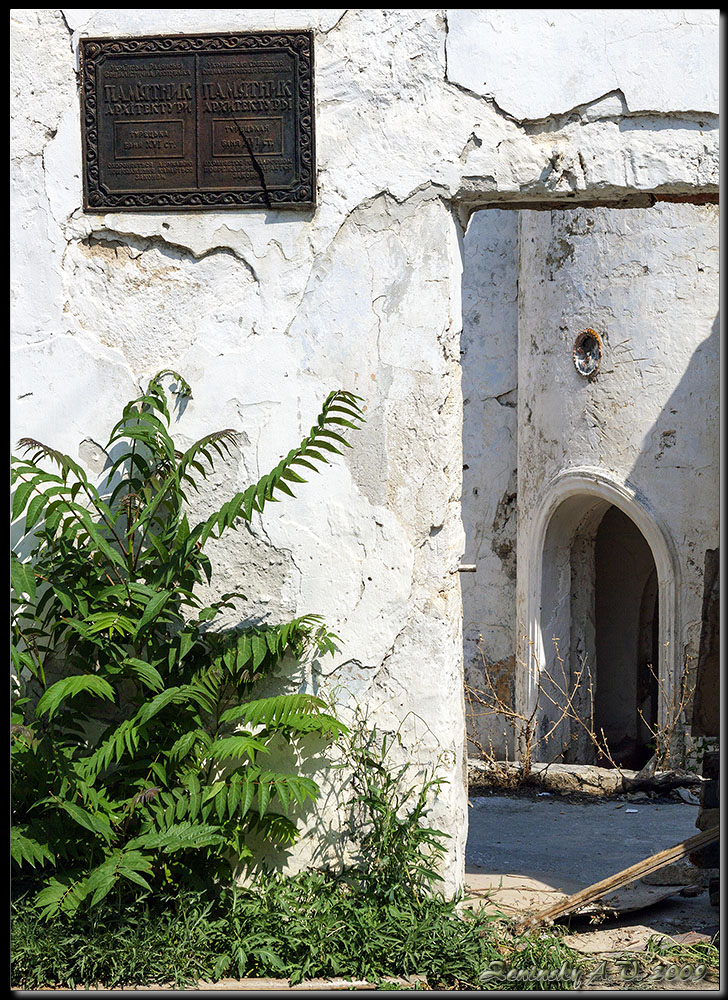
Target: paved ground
525	853
570	843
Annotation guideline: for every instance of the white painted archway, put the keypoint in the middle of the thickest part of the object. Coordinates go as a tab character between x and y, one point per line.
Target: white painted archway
569	512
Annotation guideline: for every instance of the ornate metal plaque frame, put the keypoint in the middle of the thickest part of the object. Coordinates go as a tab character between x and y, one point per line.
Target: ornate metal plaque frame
198	122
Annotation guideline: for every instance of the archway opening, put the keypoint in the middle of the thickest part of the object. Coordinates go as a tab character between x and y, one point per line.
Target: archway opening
626	628
597	669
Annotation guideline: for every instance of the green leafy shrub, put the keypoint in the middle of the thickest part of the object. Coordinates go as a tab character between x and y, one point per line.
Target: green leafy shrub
374	919
400	855
138	752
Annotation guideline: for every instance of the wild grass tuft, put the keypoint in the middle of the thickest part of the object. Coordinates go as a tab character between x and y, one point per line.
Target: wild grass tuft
310	926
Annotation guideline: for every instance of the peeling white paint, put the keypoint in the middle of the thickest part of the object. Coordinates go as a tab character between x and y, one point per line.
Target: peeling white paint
489	358
539	63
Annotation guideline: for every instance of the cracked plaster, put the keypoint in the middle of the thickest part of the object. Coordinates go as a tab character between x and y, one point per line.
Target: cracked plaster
265	312
647	419
538	63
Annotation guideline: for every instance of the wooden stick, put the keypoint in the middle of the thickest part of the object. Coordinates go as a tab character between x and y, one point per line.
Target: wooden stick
642	868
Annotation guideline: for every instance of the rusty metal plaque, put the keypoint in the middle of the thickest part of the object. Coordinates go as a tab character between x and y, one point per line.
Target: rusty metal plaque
198	122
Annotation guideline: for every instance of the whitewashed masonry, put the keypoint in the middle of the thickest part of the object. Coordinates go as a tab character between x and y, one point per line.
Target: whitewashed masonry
422	117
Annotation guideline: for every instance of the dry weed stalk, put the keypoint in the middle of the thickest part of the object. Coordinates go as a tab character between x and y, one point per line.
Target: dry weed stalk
562	694
571	695
525	738
571	711
676	702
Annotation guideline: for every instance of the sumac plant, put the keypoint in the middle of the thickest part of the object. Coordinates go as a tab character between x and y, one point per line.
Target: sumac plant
139	752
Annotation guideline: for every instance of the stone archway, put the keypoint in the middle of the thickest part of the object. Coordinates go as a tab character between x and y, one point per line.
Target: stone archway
564	610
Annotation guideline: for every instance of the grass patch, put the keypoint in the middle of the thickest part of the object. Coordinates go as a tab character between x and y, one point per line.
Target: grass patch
317	926
665	963
309	926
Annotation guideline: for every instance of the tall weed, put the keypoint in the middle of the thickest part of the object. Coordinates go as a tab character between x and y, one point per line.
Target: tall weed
138	747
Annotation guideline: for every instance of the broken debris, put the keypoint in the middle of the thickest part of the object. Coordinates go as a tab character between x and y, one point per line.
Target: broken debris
579	900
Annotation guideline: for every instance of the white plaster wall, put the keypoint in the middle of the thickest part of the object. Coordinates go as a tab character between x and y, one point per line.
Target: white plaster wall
489	359
646	280
264	312
543	62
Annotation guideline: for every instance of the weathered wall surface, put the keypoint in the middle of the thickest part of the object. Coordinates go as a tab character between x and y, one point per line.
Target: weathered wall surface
264	312
646	280
489	358
545	62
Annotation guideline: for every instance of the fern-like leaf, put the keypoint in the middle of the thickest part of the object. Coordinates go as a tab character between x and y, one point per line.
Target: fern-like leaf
236	746
300	713
124	863
62	894
69	687
29	850
179	837
320	439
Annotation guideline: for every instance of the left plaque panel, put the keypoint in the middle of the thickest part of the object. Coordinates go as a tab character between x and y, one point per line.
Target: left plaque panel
198	122
146	124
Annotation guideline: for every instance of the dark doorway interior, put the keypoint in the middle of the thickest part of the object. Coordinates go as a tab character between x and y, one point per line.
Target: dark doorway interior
627	644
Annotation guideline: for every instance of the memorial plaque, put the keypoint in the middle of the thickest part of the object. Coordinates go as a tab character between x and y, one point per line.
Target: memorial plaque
195	122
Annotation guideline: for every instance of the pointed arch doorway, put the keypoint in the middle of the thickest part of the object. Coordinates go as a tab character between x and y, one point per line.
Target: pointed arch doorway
598	588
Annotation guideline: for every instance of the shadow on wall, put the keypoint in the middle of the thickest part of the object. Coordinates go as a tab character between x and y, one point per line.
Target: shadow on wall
674	476
687	424
684	441
489	364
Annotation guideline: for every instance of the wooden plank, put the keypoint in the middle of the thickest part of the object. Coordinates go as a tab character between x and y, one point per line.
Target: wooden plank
639	870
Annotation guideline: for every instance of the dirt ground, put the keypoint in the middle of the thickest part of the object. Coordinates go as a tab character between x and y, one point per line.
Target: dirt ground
527	851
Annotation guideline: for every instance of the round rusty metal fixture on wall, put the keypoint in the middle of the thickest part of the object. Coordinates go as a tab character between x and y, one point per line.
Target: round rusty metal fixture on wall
587	352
